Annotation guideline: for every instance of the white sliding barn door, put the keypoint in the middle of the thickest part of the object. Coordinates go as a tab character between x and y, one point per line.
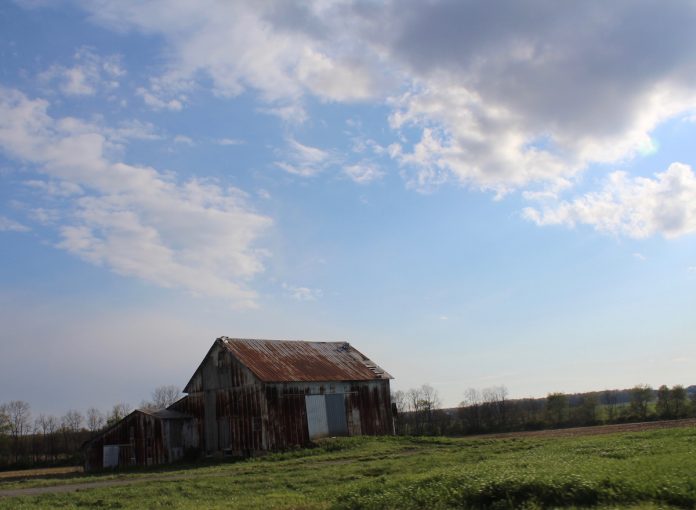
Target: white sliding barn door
317	424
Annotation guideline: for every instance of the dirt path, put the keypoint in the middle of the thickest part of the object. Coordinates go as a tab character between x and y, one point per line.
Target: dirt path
74	487
578	431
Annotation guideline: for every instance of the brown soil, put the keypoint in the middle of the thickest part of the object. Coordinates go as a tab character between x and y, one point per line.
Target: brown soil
31	473
598	429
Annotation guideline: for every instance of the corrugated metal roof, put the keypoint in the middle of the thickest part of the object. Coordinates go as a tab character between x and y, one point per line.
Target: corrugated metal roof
286	361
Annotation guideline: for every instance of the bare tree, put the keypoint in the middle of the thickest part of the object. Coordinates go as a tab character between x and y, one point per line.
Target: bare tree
95	419
118	412
413	403
19	415
398	400
71	425
470	410
422	403
148	406
164	396
73	420
494	400
430	398
47	425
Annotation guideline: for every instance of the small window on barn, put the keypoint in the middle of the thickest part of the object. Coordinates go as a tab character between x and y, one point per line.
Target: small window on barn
221	359
256	423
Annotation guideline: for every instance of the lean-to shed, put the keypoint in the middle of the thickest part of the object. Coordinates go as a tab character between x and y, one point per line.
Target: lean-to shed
142	438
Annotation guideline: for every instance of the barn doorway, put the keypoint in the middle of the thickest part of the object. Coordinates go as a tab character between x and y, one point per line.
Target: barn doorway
326	415
110	455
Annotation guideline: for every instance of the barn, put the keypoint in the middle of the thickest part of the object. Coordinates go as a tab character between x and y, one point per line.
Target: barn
251	396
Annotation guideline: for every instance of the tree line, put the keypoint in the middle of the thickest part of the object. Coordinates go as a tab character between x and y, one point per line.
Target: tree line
488	410
49	440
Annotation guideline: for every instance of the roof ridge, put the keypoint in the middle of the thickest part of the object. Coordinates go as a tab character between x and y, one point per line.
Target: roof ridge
229	338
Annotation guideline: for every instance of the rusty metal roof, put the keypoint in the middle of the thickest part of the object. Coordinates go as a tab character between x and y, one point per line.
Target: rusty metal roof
287	361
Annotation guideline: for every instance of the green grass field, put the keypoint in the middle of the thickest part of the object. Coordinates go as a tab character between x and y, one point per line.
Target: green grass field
651	469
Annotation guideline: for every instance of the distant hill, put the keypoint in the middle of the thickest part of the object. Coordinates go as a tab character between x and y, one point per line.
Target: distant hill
623	396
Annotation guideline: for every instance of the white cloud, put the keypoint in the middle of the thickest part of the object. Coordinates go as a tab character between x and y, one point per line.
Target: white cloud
363	173
184	140
9	225
133	130
136	220
230	141
45	216
157	103
274	48
55	188
89	74
637	207
499	96
506	95
303	160
492	96
303	293
639	256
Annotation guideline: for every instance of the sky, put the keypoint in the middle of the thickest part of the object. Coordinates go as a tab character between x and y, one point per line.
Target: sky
472	193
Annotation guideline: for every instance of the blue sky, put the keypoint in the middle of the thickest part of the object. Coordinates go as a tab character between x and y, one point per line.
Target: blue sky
471	194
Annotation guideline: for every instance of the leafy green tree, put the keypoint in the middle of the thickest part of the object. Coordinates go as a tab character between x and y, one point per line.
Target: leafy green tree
678	401
556	408
4	420
692	404
663	407
610	399
641	395
585	413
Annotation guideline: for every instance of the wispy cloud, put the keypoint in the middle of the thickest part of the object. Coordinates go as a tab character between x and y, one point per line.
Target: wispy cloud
302	293
229	141
136	220
303	160
89	74
184	140
157	103
9	225
363	173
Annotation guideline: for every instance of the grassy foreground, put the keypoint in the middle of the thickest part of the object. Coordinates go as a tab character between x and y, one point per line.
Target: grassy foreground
648	470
